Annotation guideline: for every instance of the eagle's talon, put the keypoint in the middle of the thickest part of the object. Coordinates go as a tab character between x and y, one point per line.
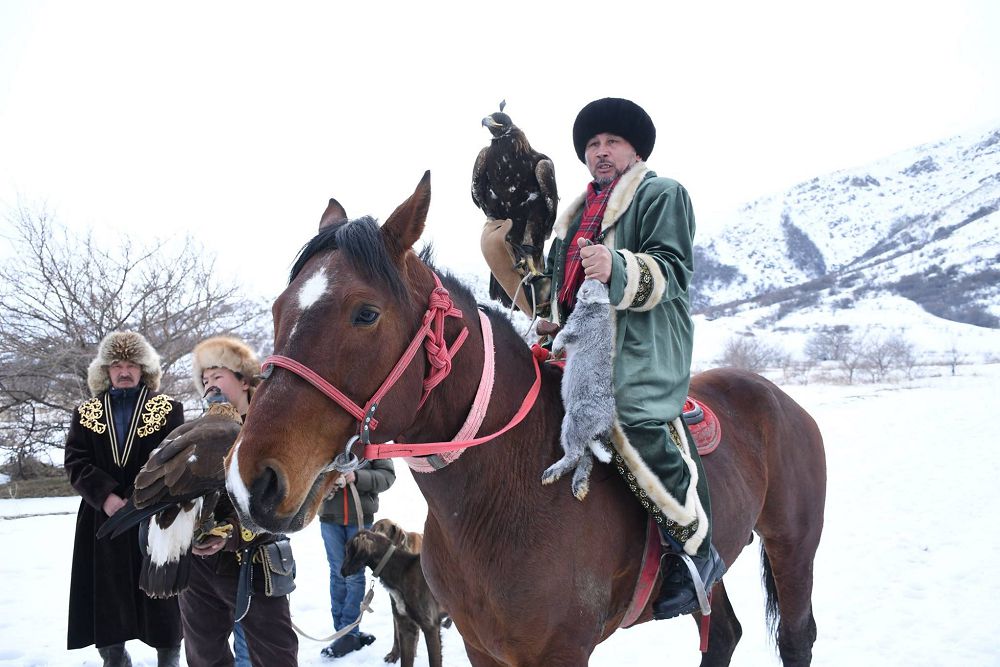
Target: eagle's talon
223	529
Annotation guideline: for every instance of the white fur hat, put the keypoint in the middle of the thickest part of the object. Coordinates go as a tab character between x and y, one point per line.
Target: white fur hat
224	352
123	346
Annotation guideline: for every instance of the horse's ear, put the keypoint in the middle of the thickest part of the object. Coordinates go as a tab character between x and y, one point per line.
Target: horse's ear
406	224
334	213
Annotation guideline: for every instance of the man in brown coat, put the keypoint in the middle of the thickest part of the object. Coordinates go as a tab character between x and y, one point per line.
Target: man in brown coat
109	440
211	602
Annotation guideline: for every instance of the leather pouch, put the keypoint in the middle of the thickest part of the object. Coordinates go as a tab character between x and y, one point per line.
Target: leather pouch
279	568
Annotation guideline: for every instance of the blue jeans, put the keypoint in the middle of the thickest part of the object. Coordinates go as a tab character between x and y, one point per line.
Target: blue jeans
345	593
240	646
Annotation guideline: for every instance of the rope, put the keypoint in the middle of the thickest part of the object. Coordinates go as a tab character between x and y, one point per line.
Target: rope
365	606
527	280
366	602
439	356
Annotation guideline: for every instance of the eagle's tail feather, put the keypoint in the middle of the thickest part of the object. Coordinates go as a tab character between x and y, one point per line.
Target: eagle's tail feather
497	292
165	580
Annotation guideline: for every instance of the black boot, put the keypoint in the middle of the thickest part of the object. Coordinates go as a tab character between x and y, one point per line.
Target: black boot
168	657
679	595
347	644
115	655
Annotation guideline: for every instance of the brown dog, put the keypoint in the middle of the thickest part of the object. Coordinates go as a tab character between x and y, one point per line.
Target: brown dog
411	541
414	608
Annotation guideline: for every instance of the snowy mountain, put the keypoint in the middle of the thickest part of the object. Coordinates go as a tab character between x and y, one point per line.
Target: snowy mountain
922	225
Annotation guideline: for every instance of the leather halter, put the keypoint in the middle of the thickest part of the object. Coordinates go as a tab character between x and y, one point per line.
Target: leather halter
439	356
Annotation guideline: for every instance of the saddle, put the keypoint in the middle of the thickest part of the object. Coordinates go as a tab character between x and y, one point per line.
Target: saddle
703	424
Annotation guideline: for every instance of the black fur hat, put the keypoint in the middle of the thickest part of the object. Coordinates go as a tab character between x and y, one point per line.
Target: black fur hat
618	116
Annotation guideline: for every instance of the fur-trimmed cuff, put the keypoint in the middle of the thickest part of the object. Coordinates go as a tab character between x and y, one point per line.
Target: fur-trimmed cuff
683	511
644	282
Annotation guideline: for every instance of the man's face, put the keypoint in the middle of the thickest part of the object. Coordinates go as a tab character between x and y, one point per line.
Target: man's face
124	374
232	387
608	157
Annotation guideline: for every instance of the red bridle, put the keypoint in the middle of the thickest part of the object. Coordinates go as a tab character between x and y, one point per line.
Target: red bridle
439	357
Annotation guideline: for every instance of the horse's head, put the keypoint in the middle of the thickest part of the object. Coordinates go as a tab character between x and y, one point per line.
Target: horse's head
355	298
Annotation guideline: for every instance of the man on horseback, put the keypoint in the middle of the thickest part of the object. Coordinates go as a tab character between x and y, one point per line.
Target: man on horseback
634	232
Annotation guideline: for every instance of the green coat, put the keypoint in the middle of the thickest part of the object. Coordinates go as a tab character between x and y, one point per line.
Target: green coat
649	226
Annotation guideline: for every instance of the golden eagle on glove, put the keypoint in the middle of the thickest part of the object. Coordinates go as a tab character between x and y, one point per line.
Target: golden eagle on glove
513	181
179	487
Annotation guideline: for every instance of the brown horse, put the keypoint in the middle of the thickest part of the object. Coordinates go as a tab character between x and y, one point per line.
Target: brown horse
530	575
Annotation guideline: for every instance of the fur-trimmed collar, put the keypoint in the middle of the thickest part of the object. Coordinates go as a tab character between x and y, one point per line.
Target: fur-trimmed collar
620	200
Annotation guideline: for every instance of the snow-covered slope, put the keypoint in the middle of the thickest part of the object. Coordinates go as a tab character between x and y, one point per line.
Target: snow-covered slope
922	224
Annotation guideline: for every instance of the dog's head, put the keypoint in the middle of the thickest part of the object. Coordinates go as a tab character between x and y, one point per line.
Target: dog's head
359	550
392	530
365	548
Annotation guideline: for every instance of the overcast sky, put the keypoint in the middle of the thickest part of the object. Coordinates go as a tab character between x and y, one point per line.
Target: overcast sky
236	121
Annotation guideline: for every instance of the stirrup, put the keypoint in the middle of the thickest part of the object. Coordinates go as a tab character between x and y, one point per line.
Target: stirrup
699	585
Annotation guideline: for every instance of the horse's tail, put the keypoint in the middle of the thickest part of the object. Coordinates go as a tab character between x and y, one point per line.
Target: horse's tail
772	614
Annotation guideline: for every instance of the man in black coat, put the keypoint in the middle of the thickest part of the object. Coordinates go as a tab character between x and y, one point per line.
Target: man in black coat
109	440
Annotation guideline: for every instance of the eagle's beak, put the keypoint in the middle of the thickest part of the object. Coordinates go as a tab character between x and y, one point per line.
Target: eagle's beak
489	122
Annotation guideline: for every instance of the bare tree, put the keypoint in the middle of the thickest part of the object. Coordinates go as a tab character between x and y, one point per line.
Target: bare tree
852	357
61	293
955	357
903	354
829	343
749	353
796	371
884	354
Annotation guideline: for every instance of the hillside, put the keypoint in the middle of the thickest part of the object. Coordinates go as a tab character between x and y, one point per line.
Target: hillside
922	225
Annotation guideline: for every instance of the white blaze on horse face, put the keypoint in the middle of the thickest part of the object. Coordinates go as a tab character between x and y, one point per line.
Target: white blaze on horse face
237	489
313	289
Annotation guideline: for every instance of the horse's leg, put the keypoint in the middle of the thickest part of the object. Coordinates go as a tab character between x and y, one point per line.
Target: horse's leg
788	583
724	630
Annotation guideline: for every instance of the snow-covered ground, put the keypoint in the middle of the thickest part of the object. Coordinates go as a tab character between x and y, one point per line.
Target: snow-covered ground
904	575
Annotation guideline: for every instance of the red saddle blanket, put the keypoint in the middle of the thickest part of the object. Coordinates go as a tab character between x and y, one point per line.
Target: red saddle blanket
703	424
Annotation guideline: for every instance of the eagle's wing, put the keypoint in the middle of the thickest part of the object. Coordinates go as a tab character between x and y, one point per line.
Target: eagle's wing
178	487
480	185
188	465
545	173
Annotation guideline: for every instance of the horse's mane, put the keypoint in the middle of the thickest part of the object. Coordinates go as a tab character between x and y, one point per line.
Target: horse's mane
362	242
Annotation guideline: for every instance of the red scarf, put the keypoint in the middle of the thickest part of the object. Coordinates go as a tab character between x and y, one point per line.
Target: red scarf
590	227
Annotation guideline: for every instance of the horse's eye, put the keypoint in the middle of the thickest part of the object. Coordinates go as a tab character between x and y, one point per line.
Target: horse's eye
365	316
